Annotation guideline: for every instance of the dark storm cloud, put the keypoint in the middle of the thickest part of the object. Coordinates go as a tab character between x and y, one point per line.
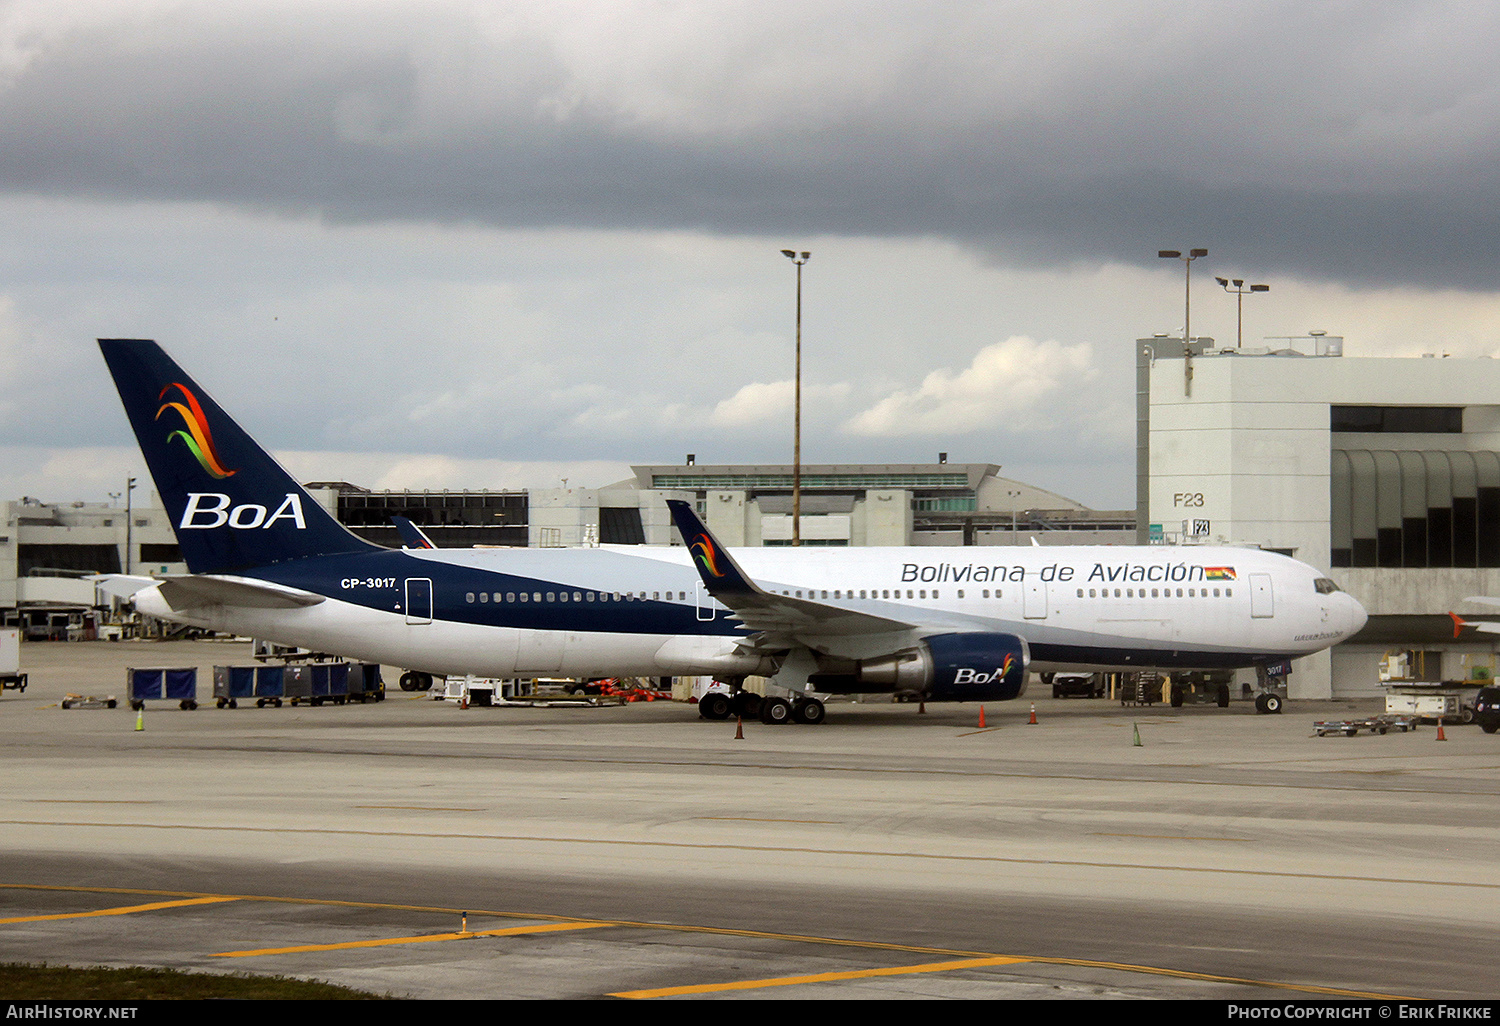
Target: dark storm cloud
1333	141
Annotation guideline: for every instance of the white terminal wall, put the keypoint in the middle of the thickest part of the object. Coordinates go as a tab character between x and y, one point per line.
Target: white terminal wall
1247	446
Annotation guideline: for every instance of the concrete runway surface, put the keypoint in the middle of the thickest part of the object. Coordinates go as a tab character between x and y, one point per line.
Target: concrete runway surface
642	852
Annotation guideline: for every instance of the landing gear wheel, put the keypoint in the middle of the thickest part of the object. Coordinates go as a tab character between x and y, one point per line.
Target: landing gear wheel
409	681
809	711
1223	696
1273	703
1260	704
1176	698
714	706
775	710
747	705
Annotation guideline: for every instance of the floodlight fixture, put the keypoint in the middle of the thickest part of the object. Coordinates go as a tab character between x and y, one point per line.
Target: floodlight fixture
1237	288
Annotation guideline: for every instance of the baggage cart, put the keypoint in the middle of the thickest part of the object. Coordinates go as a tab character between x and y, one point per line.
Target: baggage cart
170	683
233	683
11	677
268	685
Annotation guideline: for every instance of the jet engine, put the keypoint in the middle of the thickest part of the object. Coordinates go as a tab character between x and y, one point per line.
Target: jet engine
953	668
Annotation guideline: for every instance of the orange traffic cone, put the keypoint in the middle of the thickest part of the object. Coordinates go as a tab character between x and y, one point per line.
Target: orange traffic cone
1441	736
739	729
1033	712
921	707
981	716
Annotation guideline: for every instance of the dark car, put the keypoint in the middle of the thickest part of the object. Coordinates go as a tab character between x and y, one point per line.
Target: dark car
1487	709
1085	685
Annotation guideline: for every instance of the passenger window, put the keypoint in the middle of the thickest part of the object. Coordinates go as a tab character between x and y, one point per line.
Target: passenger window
469	597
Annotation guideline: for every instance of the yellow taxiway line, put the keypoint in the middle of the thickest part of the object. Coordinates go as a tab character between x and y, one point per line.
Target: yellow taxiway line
124	911
425	938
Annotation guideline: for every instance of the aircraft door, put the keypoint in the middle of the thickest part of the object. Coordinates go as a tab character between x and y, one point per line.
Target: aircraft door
1261	604
419	600
705	603
1034	600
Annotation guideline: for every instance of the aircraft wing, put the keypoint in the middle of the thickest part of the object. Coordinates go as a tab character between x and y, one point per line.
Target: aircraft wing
764	611
180	592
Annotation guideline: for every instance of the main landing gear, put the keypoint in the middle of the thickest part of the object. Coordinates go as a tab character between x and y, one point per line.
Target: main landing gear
716	705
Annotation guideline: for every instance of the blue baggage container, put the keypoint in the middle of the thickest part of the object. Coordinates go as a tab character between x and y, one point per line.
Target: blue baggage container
232	683
150	683
268	685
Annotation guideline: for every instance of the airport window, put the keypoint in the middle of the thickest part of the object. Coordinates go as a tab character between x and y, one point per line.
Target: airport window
1403	419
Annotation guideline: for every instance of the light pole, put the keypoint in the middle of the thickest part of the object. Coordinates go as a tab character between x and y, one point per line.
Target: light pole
129	487
1187	284
1241	291
799	260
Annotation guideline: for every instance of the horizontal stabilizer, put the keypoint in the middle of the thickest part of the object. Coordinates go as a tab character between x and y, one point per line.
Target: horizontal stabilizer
205	589
122	586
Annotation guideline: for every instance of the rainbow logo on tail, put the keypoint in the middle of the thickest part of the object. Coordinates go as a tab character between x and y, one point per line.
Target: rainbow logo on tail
707	556
197	437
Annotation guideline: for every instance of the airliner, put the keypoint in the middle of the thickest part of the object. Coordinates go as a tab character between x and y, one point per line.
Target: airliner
943	624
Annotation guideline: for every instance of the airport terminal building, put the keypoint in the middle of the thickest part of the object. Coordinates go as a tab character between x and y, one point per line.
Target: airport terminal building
1383	472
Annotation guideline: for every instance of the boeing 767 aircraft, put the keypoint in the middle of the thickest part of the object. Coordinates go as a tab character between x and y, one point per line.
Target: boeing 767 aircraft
945	624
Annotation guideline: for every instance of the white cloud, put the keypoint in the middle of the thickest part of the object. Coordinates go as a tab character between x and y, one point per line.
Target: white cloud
1007	384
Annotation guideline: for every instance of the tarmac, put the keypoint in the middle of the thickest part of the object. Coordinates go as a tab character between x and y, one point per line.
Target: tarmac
413	848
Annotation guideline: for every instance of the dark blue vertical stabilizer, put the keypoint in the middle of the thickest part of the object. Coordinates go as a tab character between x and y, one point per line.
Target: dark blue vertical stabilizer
232	506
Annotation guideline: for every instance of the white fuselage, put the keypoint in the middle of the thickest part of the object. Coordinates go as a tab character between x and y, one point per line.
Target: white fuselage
642	611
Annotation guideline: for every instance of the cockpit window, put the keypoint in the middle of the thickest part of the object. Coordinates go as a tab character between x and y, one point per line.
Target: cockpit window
1325	586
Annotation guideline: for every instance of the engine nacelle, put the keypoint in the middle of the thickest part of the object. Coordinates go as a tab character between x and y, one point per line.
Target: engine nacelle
955	668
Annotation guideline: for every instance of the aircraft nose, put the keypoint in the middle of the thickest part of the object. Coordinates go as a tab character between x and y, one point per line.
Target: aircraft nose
1354	615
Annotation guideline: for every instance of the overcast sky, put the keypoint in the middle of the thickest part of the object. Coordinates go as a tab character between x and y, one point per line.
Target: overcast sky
465	245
